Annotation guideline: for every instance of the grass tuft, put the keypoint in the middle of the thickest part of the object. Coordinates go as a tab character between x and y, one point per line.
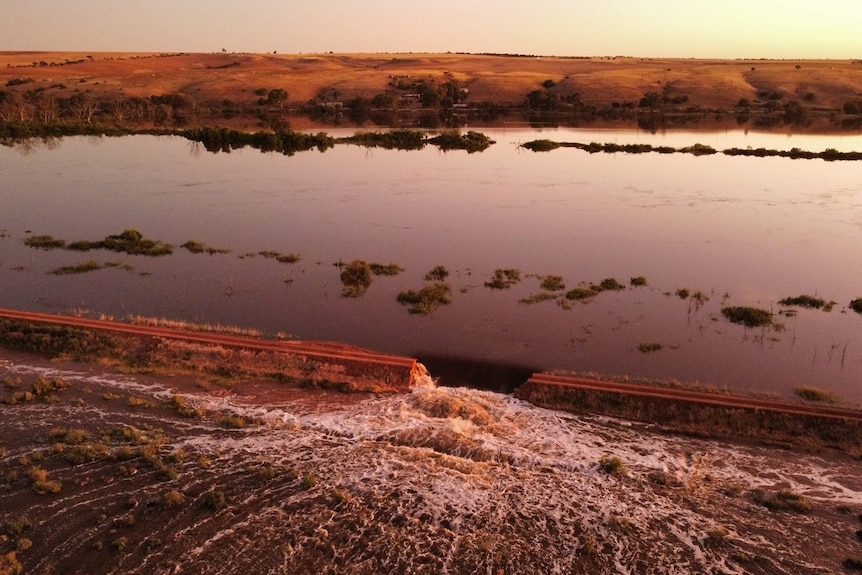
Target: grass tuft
747	316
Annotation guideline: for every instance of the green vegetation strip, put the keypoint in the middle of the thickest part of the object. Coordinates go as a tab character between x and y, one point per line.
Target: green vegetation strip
830	154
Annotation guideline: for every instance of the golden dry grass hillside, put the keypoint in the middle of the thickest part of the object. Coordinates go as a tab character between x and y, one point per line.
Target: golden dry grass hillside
505	80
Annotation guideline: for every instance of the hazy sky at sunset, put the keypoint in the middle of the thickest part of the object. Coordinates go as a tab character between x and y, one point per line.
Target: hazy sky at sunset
657	28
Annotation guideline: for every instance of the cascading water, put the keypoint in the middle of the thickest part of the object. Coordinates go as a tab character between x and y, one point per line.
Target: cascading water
446	480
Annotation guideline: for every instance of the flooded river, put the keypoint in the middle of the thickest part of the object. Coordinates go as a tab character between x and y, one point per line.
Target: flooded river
734	231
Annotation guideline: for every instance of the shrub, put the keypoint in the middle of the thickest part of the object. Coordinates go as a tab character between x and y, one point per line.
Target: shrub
504	278
309	480
233	422
426	300
385	270
853	563
747	316
356	277
541	145
809	393
608	284
438	274
42	386
9	564
612	465
172	498
214	500
44	242
553	283
82	268
716	537
19	526
649	346
856	305
581	293
638	281
196	247
281	258
804	301
782	500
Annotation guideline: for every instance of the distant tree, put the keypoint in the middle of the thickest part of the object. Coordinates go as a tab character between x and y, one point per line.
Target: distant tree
543	100
548	84
651	100
853	107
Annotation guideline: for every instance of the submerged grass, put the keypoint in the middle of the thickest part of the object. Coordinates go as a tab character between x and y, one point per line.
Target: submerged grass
130	241
808	301
281	258
504	278
426	300
81	268
197	247
747	316
810	393
44	242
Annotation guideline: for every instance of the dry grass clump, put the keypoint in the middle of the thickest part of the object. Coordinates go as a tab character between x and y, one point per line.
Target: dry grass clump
612	465
504	278
197	247
426	300
172	498
810	393
782	500
747	316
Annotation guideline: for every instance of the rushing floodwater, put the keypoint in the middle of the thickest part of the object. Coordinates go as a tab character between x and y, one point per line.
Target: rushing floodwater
442	480
744	231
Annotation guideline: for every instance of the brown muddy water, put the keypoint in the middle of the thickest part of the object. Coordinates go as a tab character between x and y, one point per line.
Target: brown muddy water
741	231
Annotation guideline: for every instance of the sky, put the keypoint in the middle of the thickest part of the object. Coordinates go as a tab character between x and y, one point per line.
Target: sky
644	28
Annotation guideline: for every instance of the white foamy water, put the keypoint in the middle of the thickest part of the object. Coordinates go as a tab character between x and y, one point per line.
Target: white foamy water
454	480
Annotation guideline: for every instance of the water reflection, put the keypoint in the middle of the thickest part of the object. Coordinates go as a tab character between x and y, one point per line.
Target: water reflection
743	231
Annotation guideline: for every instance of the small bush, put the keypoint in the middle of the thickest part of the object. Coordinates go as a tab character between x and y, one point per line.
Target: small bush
612	465
853	563
82	268
804	301
716	537
608	284
438	274
309	480
856	305
747	316
356	277
389	269
553	283
172	498
638	281
215	500
648	347
581	293
504	278
44	242
810	393
233	422
196	247
426	300
42	386
782	500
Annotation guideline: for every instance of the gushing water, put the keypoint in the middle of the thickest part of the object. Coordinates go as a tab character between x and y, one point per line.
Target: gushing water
455	480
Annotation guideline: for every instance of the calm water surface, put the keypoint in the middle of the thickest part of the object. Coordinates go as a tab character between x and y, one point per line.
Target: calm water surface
744	231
